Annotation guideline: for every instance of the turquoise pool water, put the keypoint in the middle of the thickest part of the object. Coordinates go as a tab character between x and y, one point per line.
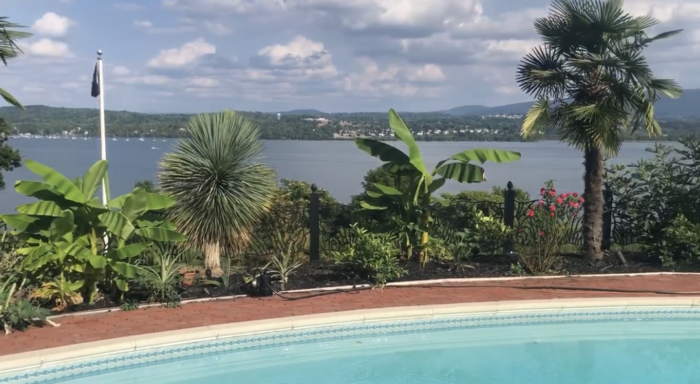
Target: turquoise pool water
628	346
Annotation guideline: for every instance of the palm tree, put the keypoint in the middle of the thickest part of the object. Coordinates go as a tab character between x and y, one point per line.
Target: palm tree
592	85
10	50
147	185
220	188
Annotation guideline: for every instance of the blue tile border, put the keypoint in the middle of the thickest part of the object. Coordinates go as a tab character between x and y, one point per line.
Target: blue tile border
131	360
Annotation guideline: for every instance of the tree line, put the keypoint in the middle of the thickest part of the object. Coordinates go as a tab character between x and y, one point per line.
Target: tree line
43	120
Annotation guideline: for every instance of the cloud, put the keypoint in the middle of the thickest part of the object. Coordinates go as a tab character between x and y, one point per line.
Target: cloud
187	54
144	80
120	71
52	24
128	7
143	24
48	48
148	26
301	56
393	80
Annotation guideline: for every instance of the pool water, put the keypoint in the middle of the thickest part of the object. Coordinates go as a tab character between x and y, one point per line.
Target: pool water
631	350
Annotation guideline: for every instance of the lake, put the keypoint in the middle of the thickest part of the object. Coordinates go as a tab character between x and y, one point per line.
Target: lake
337	166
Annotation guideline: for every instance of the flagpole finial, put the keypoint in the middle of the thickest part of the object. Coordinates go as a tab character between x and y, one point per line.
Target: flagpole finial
99	53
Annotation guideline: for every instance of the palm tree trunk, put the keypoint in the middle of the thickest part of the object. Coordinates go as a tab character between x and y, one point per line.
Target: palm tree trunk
593	204
212	258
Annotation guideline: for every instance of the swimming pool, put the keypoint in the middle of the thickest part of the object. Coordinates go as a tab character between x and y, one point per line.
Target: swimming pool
647	345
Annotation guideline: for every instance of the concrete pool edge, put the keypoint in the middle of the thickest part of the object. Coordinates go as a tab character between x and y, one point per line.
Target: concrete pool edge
46	358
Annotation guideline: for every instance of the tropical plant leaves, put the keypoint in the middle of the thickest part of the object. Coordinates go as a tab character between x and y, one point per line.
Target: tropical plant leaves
60	183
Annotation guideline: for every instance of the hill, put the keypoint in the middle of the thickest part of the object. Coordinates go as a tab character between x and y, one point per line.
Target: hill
314	112
686	106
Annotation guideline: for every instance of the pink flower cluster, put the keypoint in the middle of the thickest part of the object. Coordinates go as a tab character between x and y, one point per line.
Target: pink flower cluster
553	205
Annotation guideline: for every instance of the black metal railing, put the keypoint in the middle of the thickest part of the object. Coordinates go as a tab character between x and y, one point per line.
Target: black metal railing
325	227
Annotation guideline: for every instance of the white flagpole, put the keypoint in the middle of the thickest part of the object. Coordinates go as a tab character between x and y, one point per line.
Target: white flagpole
103	139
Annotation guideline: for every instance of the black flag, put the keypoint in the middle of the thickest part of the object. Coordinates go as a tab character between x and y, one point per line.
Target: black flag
95	83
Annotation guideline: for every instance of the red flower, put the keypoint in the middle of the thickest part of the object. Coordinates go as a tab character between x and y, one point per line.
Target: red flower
567	194
571	204
562	196
552	208
575	194
530	213
552	193
560	200
581	200
541	233
576	205
551	214
540	202
542	191
554	190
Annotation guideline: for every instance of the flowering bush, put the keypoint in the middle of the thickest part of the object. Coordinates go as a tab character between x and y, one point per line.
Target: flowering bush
547	222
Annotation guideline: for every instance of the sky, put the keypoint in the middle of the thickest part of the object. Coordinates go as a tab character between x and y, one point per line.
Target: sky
193	56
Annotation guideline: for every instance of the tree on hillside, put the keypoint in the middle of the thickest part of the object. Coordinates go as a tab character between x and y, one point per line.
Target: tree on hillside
9	157
592	84
220	186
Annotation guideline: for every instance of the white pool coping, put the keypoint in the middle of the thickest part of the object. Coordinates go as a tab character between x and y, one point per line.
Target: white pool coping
87	351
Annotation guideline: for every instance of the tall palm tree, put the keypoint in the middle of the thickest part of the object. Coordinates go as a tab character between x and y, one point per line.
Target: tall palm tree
10	50
220	187
592	85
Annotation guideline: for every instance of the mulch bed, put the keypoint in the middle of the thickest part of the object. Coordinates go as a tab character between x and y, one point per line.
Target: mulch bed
326	274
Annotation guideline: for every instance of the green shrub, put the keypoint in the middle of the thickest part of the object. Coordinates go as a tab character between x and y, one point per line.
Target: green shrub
680	243
17	312
490	233
374	255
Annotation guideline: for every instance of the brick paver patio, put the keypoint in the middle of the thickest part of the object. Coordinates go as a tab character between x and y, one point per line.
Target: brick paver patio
85	328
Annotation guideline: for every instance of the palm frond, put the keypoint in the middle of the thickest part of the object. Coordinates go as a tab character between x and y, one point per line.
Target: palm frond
593	74
220	186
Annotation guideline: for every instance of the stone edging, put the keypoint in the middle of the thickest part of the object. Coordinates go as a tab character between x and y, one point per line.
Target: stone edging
394	284
74	354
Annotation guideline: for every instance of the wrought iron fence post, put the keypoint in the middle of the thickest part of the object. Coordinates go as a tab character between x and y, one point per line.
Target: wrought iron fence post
607	218
315	230
509	216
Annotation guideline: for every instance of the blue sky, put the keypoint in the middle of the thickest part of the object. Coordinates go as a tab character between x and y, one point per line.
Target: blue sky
277	55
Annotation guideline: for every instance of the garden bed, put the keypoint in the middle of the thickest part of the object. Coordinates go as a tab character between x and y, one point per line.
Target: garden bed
326	274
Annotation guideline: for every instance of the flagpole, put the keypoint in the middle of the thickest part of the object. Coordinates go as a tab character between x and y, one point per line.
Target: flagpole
103	139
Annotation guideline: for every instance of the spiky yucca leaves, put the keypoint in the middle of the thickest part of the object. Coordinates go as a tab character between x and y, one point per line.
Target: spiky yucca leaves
592	85
220	187
9	50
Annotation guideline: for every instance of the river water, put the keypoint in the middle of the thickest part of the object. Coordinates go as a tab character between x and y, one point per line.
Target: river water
337	166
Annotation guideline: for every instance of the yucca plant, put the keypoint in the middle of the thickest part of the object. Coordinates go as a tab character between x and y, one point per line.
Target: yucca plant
220	186
592	85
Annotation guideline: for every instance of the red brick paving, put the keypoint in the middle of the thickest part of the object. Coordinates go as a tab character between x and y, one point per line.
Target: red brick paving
85	328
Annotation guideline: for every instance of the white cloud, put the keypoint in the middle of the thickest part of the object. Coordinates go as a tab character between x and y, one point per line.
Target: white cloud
143	24
187	54
215	28
48	48
120	71
393	80
202	82
428	73
33	89
128	7
301	57
52	24
144	80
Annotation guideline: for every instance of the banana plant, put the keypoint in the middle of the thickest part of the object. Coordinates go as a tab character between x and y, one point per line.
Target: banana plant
69	229
412	206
